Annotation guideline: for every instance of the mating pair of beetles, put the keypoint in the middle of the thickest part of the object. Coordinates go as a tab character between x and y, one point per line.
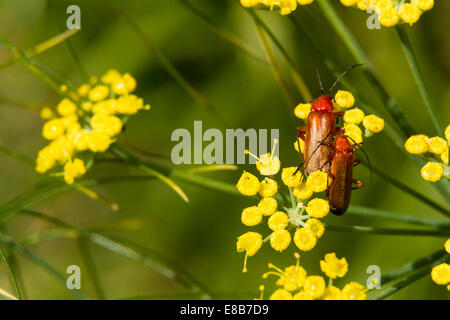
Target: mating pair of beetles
327	148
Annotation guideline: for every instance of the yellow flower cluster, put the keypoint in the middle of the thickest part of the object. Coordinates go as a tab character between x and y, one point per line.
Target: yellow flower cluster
353	118
441	273
86	122
285	6
436	146
295	284
392	12
302	216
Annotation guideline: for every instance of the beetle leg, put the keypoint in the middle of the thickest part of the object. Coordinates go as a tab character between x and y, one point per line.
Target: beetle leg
300	133
356	162
338	113
359	184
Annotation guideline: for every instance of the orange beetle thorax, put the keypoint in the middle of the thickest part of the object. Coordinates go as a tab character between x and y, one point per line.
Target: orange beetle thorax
343	145
322	104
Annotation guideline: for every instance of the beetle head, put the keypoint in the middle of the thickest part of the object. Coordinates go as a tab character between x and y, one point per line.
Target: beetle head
322	104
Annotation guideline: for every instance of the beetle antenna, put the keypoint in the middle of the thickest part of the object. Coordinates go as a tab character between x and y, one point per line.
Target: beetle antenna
365	155
320	81
342	75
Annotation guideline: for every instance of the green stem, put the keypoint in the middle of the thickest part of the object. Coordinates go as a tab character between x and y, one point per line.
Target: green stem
91	268
128	249
409	280
39	262
418	77
12	276
170	68
402	217
221	32
275	68
300	82
389	231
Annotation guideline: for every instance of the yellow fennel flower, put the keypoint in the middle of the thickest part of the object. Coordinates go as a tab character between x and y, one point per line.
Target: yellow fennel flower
353	291
291	278
248	184
268	206
437	145
45	160
73	169
111	76
268	188
249	242
354	116
46	113
349	3
366	4
447	245
251	216
280	240
317	181
409	13
317	208
305	239
66	107
373	124
417	144
277	221
130	104
314	286
441	274
432	171
268	164
315	226
302	192
447	133
53	129
302	145
344	99
334	267
289	178
99	92
109	125
302	110
332	293
423	4
281	294
98	142
388	17
353	132
124	85
249	3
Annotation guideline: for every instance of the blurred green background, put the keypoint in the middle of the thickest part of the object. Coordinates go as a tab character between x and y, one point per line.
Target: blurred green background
200	236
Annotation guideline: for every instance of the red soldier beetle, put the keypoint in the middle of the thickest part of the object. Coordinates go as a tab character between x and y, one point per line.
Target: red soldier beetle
320	130
341	174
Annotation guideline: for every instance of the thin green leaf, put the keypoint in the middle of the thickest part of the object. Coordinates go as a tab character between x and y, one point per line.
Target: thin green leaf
12	276
7	295
128	249
91	268
412	61
385	293
405	188
298	79
43	46
40	262
170	68
221	32
402	217
389	231
275	68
